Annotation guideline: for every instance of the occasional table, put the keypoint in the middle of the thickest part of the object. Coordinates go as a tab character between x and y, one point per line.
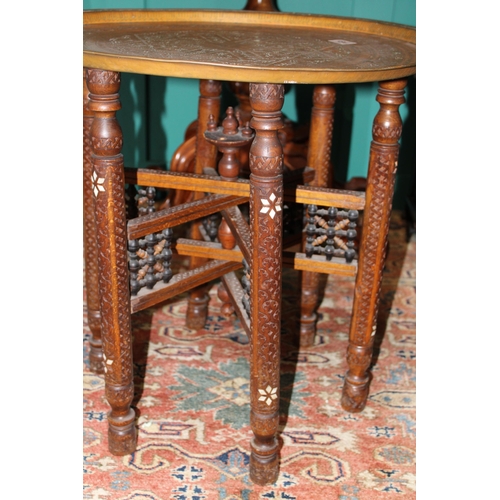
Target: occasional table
268	50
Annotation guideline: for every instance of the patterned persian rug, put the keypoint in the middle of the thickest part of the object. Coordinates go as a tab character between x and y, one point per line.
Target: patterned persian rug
192	403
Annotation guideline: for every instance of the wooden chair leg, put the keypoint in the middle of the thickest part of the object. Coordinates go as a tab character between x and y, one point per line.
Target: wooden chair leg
318	157
90	244
206	156
108	190
384	150
266	225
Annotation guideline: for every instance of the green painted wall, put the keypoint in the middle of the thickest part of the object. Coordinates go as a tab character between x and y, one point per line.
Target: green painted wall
156	111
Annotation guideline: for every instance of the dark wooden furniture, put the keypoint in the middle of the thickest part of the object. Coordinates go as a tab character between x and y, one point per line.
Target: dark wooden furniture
267	49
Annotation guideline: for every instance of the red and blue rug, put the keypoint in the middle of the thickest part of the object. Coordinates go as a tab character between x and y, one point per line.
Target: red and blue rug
192	403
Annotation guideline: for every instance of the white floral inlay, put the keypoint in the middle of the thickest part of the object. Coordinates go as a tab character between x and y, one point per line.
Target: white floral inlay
107	362
268	394
97	184
269	206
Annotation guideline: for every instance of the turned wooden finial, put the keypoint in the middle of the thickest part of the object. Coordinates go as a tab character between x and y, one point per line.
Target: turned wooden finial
225	236
262	5
246	130
230	123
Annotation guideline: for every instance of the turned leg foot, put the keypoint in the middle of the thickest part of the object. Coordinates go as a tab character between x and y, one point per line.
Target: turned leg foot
122	432
355	393
197	310
358	378
264	462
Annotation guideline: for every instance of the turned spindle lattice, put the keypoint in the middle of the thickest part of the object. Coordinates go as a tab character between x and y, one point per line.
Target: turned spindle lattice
149	257
210	226
331	232
149	260
145	200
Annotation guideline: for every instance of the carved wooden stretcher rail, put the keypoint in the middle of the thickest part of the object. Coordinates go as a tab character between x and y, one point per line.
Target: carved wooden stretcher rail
308	195
267	49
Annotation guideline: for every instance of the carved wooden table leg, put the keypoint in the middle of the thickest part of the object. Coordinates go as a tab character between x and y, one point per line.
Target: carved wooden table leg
266	224
90	244
318	157
107	187
384	150
206	156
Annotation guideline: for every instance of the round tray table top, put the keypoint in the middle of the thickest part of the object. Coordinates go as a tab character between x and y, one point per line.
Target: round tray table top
259	47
